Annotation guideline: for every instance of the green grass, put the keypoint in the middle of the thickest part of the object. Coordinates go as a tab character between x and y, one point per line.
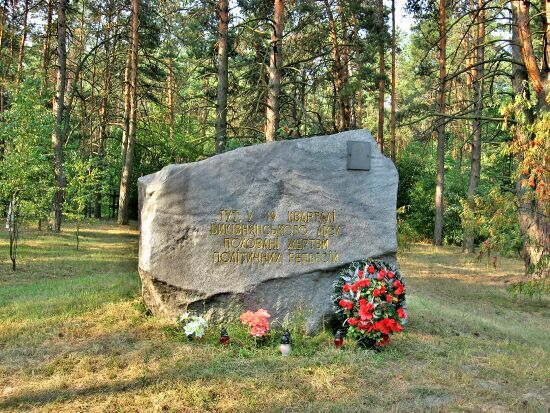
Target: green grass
74	336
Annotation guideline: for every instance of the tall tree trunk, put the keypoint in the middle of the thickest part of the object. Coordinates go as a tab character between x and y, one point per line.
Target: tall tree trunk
125	181
346	104
393	83
381	76
358	111
475	169
3	19
537	78
104	108
546	38
58	136
275	66
170	98
337	72
46	48
126	98
533	217
221	105
22	44
440	178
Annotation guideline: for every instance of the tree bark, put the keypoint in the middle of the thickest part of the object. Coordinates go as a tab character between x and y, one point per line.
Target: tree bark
440	178
104	107
275	65
393	84
221	106
339	85
537	79
346	104
533	221
381	76
22	43
170	98
46	48
3	22
58	136
126	113
475	168
125	181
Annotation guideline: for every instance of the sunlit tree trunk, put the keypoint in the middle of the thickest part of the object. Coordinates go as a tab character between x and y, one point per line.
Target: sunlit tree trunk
537	77
126	112
221	106
171	97
4	11
126	176
275	66
533	216
475	169
104	106
22	43
344	70
381	76
393	84
58	136
440	177
46	48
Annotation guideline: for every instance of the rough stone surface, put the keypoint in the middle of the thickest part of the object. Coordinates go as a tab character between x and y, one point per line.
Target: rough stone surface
180	205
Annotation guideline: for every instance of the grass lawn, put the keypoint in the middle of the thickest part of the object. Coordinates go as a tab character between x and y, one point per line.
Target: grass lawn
74	338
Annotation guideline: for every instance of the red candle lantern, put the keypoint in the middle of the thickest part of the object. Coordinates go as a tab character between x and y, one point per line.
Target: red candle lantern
338	339
224	337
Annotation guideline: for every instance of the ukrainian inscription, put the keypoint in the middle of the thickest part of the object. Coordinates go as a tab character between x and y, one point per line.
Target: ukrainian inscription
297	237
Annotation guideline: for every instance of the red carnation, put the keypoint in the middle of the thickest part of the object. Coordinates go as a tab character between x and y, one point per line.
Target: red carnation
353	321
362	302
345	304
399	290
376	293
354	287
346	288
389	298
382	327
390	274
382	289
370	307
380	276
383	272
364	283
396	283
401	313
371	269
361	273
364	314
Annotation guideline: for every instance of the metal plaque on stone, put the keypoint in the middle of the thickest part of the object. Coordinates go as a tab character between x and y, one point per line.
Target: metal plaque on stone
358	156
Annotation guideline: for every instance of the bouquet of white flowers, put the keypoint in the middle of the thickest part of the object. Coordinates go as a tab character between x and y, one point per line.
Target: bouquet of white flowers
193	325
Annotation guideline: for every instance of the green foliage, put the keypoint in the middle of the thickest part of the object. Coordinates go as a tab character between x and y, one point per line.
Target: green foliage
537	287
82	181
494	221
27	164
416	192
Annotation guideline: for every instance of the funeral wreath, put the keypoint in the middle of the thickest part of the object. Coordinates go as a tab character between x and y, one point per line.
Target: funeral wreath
369	300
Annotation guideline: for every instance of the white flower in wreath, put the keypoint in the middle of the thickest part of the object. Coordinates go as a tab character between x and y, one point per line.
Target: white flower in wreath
196	327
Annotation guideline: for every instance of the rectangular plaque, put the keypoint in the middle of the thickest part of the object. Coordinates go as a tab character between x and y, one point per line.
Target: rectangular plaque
358	156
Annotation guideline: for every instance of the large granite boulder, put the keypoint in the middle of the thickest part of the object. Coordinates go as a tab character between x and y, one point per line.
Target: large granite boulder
264	226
